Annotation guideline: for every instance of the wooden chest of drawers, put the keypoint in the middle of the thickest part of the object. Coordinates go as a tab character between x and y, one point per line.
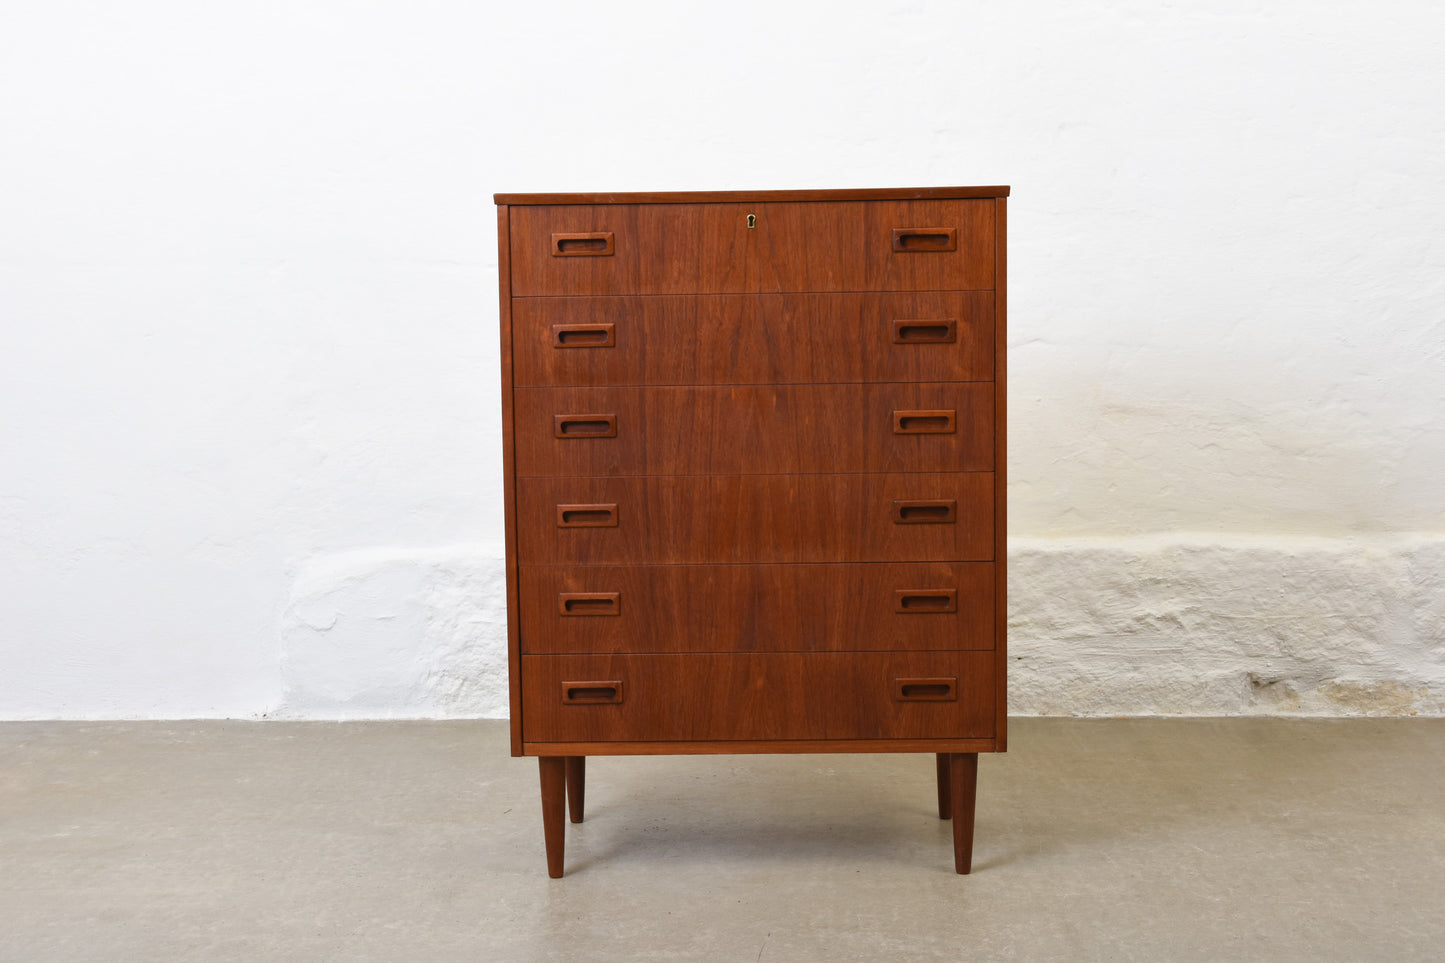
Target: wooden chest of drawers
754	455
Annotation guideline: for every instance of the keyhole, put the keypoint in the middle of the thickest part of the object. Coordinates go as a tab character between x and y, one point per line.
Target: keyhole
752	221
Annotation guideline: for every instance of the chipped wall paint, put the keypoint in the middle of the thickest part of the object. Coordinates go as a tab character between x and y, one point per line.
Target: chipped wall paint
1168	625
375	634
250	457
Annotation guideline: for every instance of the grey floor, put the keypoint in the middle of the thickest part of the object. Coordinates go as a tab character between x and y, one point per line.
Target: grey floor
1097	839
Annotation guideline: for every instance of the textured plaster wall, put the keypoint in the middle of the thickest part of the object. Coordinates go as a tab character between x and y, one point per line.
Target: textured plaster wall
249	460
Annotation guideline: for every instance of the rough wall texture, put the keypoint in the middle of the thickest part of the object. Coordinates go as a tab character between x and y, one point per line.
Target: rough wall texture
1141	626
1172	626
371	634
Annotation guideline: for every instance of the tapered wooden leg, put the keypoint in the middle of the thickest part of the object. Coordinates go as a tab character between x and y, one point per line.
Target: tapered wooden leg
576	786
554	787
962	784
945	811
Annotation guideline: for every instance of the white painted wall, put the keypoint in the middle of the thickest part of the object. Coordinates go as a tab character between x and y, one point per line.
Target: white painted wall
249	459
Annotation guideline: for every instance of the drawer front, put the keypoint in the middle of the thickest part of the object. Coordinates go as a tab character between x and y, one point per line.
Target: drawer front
930	245
929	695
755	429
756	518
756	608
754	339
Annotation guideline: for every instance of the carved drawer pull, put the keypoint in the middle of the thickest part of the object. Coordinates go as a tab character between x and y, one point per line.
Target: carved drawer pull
925	511
926	690
589	603
591	693
910	239
587	244
584	426
925	601
587	516
940	422
584	335
942	331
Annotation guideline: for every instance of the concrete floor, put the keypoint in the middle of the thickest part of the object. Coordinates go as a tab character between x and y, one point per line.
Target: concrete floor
1240	839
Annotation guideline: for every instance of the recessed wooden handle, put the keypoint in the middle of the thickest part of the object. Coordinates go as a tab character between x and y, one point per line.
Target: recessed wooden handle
926	690
583	336
925	511
925	601
587	516
591	693
942	331
584	426
932	422
589	603
909	239
587	244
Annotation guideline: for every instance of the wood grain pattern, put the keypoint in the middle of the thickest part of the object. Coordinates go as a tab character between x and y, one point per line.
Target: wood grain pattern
707	249
728	197
756	518
757	608
773	696
753	339
797	429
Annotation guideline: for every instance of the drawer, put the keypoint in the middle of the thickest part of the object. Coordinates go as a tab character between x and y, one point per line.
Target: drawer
915	245
754	429
756	608
754	339
927	695
756	518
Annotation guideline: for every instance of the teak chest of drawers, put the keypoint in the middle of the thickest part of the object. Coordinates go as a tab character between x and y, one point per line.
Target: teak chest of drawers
754	455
